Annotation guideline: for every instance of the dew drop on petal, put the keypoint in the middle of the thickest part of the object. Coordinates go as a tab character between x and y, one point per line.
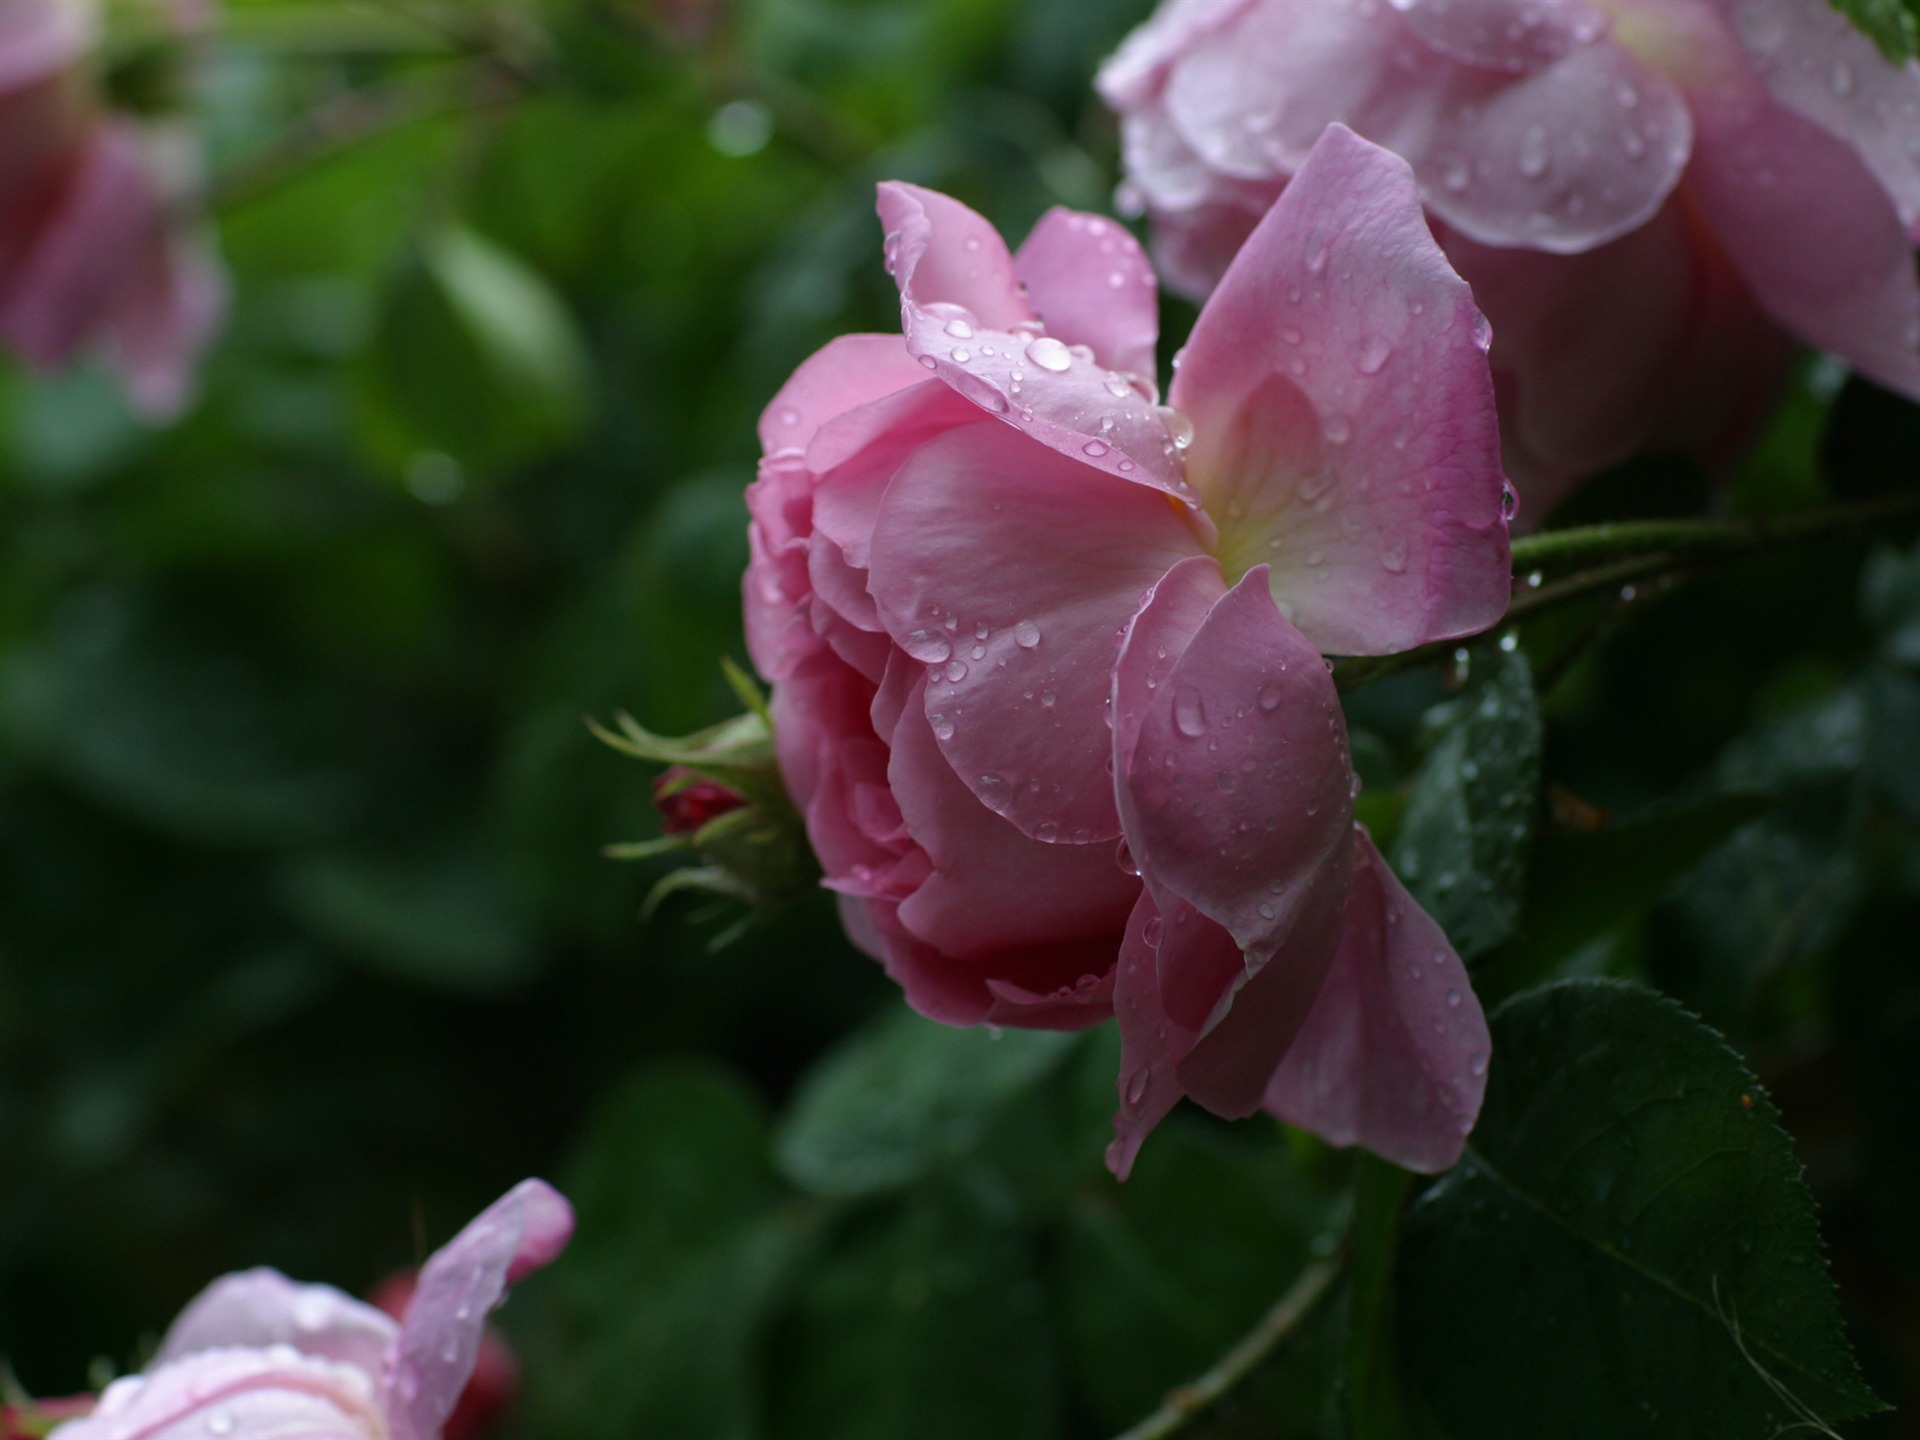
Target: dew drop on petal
1026	634
1049	354
929	647
1190	712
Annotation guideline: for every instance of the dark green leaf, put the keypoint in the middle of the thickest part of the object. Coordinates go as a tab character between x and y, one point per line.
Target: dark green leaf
1628	1247
1462	847
1893	25
929	1324
657	1311
1164	1273
903	1097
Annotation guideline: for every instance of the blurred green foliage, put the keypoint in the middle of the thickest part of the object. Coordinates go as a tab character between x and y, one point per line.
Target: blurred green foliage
306	945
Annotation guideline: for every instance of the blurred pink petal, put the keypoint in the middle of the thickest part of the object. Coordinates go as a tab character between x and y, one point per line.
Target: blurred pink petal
263	1307
40	37
460	1285
247	1393
1814	234
1515	35
1394	1054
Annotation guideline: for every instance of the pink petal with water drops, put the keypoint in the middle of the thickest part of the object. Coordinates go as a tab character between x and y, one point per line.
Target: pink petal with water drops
461	1283
1001	361
1344	420
258	1308
1815	236
1152	1043
1394	1055
1091	285
241	1393
1816	62
992	888
39	37
1511	35
845	373
775	590
1009	571
1237	799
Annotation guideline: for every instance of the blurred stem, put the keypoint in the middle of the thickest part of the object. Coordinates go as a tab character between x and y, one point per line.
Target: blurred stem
1189	1402
357	116
1621	555
1373	1391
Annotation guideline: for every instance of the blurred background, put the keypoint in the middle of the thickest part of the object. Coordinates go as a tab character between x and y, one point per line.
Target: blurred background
307	948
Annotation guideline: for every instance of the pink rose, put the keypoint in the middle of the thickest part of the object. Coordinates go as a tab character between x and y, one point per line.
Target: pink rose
257	1355
1647	196
92	247
1046	654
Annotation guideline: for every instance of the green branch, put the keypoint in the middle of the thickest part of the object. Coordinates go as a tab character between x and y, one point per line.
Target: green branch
1626	559
1187	1403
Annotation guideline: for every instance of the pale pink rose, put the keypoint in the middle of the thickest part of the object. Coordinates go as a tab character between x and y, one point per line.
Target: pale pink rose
259	1356
1046	655
1648	196
94	249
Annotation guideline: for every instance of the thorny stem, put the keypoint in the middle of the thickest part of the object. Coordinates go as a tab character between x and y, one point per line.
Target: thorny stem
1660	550
1187	1403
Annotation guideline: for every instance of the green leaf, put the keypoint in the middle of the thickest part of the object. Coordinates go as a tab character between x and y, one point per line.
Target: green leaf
1628	1247
1584	885
476	365
1162	1274
656	1313
903	1097
1893	25
1462	847
930	1324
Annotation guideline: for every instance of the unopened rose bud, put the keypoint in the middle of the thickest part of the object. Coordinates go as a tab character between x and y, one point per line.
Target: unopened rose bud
687	801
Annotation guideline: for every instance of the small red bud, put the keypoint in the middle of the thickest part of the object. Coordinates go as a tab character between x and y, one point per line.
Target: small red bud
496	1375
687	802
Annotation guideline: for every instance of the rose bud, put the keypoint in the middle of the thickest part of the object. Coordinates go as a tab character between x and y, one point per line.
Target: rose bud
257	1355
1048	688
1649	197
688	801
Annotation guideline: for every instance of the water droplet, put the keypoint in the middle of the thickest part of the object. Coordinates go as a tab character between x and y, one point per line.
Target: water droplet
1338	430
1291	335
1137	1085
1270	697
1509	500
1453	997
1190	712
962	356
1375	351
1048	699
929	362
1477	1062
956	671
1266	910
220	1422
1047	831
1457	176
1049	354
972	242
1094	449
1393	559
1840	79
1533	152
929	647
942	727
1509	642
1150	932
1179	427
1534	579
959	329
789	416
